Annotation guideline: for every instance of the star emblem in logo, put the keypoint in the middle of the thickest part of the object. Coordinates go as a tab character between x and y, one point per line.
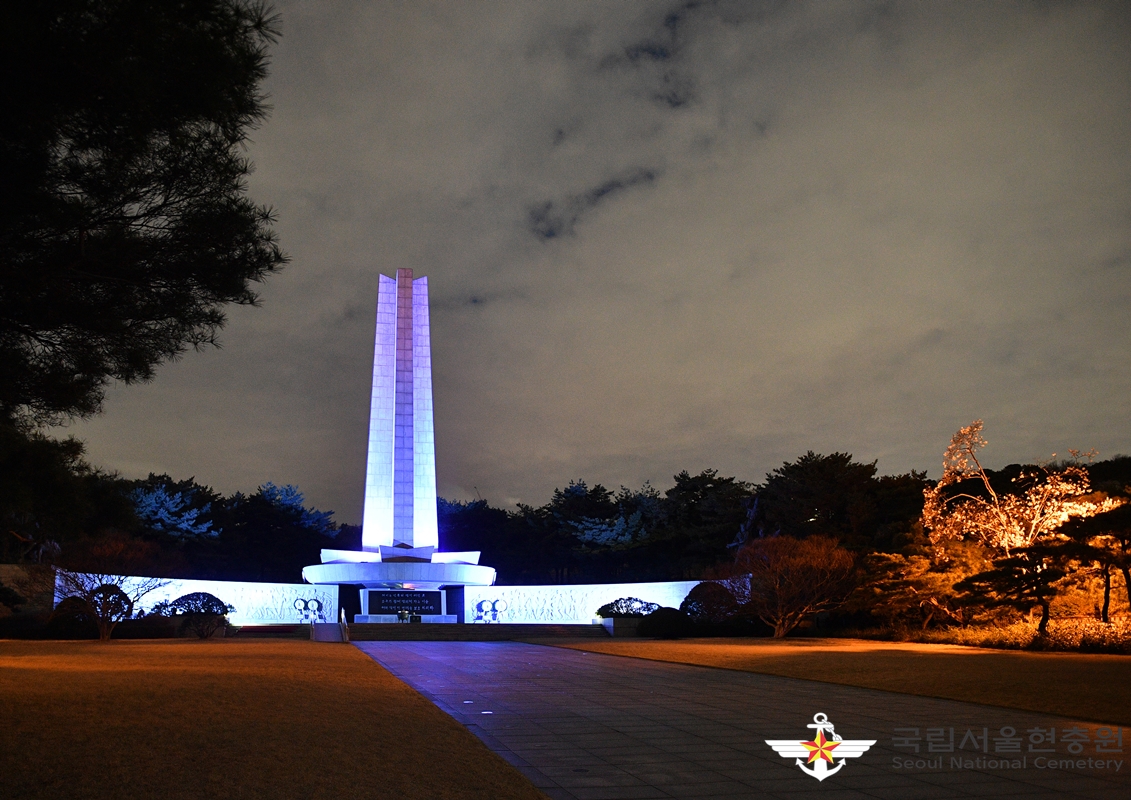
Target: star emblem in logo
820	747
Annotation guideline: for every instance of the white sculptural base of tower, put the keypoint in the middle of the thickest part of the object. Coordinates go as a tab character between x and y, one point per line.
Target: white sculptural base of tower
399	568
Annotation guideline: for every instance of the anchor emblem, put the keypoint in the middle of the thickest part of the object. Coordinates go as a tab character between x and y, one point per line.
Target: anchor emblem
823	751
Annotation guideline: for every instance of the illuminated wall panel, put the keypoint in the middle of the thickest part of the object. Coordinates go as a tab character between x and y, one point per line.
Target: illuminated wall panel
566	605
255	603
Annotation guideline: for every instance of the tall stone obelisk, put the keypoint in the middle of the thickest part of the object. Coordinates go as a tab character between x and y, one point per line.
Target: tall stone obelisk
399	567
400	476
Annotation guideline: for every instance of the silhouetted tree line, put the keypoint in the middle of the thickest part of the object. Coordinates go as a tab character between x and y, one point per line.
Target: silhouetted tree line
978	546
54	505
982	550
590	534
57	509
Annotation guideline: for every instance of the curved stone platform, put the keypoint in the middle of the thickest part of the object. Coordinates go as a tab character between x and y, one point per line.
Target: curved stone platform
400	574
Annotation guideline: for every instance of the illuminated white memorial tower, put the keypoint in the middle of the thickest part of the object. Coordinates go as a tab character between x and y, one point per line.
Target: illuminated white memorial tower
400	475
399	565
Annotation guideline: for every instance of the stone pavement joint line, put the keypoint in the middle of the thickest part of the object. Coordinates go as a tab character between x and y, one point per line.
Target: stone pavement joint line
586	726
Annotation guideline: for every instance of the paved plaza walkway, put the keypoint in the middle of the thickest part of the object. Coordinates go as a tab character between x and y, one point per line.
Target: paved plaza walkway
589	726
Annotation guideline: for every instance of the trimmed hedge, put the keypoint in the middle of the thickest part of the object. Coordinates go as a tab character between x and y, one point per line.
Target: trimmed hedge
666	623
627	607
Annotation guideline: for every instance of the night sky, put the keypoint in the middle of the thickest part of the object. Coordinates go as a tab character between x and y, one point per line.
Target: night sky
665	236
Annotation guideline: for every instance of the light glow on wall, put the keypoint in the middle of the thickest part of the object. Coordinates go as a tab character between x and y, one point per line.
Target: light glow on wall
255	603
564	605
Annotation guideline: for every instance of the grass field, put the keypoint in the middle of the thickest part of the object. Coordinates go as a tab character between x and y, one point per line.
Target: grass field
1094	688
227	719
294	719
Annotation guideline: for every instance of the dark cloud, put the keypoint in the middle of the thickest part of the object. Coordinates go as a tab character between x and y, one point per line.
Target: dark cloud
551	218
665	236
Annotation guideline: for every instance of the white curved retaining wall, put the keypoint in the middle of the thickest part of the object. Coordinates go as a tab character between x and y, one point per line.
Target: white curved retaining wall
275	603
255	603
574	604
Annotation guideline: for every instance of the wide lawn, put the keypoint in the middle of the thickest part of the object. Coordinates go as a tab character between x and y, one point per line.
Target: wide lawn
1094	688
228	719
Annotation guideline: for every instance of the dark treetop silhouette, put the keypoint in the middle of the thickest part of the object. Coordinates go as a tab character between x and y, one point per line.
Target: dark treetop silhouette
124	221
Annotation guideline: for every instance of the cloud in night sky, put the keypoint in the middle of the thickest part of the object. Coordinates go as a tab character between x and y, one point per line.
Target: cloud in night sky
665	236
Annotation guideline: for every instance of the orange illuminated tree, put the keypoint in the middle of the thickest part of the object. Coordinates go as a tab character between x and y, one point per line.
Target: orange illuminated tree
1047	496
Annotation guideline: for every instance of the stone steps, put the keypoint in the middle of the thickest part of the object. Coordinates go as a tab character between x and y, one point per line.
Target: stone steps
408	632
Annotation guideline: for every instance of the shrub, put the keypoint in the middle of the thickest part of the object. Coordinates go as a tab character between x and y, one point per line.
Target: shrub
27	626
627	607
71	619
202	613
1015	636
1090	636
10	598
104	604
1079	635
150	626
709	602
666	623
